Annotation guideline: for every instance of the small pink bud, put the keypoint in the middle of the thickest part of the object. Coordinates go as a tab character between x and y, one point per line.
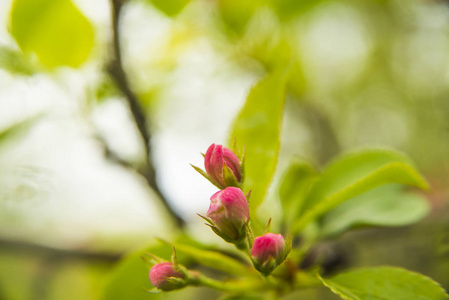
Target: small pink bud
164	277
218	158
230	212
268	252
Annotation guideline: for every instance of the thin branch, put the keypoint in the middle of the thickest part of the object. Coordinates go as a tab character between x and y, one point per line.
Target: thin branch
117	72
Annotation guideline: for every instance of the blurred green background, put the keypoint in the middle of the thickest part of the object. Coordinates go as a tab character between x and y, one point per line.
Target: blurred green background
72	199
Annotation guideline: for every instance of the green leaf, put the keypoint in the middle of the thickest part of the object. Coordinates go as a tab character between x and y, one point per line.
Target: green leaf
295	184
257	128
170	8
55	30
352	175
383	206
384	283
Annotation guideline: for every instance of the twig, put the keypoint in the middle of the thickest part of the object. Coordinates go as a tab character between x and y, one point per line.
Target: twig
117	72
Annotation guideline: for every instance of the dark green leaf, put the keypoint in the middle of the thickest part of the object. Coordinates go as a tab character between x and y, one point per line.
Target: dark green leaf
385	283
55	30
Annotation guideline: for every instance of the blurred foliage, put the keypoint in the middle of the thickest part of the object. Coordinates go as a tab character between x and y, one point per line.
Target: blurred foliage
14	62
236	14
55	30
295	184
15	130
360	73
39	273
170	8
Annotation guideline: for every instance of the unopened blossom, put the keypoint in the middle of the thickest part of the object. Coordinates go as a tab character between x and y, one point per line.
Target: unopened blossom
223	166
269	251
229	212
165	277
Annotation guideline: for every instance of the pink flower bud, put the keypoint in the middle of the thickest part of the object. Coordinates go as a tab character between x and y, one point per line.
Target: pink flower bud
164	277
268	252
218	158
229	212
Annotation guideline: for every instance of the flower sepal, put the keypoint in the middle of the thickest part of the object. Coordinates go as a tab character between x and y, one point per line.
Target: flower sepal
240	242
204	174
229	177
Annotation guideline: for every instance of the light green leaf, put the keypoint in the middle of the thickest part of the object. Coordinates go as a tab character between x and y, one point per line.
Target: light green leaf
383	206
295	184
384	283
170	7
55	30
353	174
257	128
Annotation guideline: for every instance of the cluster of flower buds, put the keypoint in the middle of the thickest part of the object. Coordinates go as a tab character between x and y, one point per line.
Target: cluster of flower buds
229	217
228	214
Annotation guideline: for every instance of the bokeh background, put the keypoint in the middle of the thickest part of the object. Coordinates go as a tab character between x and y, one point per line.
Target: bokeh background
365	73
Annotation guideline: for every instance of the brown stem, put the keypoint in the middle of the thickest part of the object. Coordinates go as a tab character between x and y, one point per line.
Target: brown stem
117	72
